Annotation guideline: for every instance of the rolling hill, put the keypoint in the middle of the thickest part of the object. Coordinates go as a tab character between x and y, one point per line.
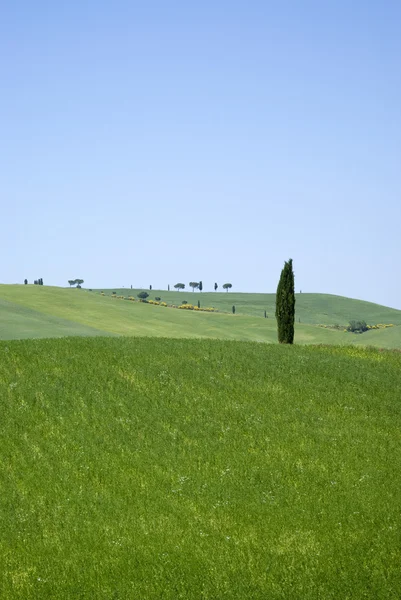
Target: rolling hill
42	311
312	309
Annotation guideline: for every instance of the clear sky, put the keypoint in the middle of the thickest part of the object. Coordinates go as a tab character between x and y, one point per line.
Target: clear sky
157	142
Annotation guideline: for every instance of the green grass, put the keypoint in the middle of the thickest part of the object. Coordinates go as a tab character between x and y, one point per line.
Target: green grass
42	311
325	309
153	468
19	322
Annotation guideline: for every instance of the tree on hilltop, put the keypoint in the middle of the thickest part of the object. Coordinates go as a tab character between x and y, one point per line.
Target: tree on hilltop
227	286
180	286
143	295
215	286
200	286
194	285
285	305
77	282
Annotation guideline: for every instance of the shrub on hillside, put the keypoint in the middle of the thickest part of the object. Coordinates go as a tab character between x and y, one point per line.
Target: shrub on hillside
357	326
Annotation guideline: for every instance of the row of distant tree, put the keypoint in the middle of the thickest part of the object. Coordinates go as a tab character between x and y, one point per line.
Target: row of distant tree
198	285
36	281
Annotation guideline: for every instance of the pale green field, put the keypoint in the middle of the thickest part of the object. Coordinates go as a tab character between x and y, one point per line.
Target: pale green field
312	309
41	311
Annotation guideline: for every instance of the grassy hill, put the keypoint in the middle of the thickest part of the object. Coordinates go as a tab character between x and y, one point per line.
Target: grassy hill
143	468
325	309
41	311
18	322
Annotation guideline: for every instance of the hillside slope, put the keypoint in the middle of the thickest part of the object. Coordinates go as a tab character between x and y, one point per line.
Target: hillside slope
313	309
143	468
20	322
42	311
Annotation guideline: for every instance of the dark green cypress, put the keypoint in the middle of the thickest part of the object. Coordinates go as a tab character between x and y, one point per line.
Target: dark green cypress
285	305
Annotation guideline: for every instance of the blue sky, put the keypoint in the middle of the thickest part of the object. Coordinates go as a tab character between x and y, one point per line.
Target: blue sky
156	142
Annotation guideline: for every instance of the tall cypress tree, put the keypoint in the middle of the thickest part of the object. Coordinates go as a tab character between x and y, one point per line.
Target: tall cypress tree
285	305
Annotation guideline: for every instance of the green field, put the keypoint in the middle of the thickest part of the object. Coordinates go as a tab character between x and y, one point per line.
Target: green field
312	309
152	468
41	311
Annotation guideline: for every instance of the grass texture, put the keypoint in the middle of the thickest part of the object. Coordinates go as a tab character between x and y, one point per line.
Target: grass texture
184	469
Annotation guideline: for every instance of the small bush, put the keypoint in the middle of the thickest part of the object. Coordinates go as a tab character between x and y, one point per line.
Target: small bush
357	326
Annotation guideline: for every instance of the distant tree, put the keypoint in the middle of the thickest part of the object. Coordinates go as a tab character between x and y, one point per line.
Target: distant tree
168	287
227	286
357	326
143	295
233	309
200	286
25	282
40	281
215	286
79	282
157	299
184	302
35	282
285	305
198	303
180	286
150	288
71	282
194	285
265	315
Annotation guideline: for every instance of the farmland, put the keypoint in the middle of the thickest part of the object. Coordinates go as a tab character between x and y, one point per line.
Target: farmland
41	311
165	468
